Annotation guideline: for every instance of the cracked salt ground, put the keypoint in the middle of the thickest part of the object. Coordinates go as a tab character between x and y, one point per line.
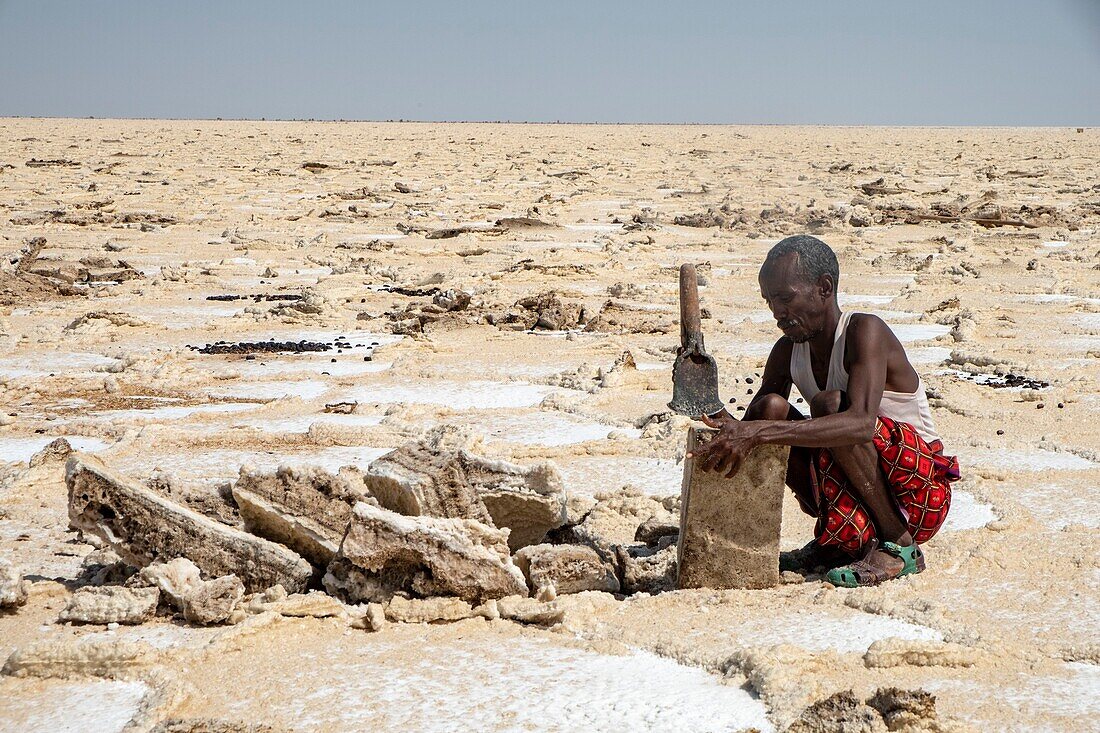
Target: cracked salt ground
323	364
176	412
456	395
577	690
67	363
1037	704
541	428
224	464
1060	506
306	389
158	636
302	423
21	449
593	474
60	706
842	630
1025	460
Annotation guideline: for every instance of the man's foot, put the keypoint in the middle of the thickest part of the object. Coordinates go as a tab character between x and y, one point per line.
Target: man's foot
811	557
879	564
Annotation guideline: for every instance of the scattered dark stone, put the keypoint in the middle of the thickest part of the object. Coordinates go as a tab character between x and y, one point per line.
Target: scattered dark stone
257	297
1039	406
263	347
410	292
1061	405
1000	432
1008	380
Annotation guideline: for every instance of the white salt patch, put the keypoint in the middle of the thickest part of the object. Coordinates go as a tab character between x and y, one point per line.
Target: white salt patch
595	227
215	466
457	395
1026	460
928	354
40	365
85	706
1059	506
966	512
157	635
1088	320
1055	244
575	690
302	423
850	298
650	366
919	331
593	474
841	630
1037	704
891	316
739	349
541	428
239	261
177	412
21	449
306	389
339	368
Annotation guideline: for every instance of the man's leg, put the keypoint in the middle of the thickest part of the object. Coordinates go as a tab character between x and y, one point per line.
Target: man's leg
775	407
861	467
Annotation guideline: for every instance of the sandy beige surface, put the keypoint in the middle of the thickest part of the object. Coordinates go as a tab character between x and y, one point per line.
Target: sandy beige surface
1003	626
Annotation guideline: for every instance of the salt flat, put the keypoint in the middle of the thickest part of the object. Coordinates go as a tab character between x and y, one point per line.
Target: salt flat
536	363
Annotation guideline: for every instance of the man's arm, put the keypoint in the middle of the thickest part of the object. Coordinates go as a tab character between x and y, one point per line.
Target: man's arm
869	340
775	380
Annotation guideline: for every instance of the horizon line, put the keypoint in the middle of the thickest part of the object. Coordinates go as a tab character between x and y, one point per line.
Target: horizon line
326	120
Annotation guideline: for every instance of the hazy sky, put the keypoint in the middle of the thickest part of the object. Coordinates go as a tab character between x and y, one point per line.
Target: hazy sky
918	62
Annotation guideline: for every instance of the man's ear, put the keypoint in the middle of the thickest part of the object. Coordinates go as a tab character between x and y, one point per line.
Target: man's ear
826	288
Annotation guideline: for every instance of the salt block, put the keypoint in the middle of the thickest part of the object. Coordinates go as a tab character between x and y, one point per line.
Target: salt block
729	527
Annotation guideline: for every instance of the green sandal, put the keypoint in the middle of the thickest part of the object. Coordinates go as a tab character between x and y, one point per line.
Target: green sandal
861	573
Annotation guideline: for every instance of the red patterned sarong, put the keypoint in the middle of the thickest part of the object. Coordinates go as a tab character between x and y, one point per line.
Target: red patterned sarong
917	472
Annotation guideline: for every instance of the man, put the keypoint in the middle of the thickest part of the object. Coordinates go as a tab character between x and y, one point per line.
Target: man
867	464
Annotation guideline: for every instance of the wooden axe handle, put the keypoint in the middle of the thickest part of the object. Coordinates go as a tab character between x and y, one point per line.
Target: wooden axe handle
689	303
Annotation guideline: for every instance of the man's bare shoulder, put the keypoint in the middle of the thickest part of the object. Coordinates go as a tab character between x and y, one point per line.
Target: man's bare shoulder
869	326
780	355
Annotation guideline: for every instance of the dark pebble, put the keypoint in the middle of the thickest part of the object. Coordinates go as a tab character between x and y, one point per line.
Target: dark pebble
748	380
367	358
799	401
1000	432
740	408
749	391
1039	406
732	400
332	360
1061	405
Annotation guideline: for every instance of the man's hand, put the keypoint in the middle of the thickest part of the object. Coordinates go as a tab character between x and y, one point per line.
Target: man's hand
726	450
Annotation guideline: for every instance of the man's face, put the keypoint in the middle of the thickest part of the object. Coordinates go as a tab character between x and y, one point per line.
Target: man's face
799	307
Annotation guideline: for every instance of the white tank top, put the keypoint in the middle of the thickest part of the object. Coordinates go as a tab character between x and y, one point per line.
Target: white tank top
909	407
